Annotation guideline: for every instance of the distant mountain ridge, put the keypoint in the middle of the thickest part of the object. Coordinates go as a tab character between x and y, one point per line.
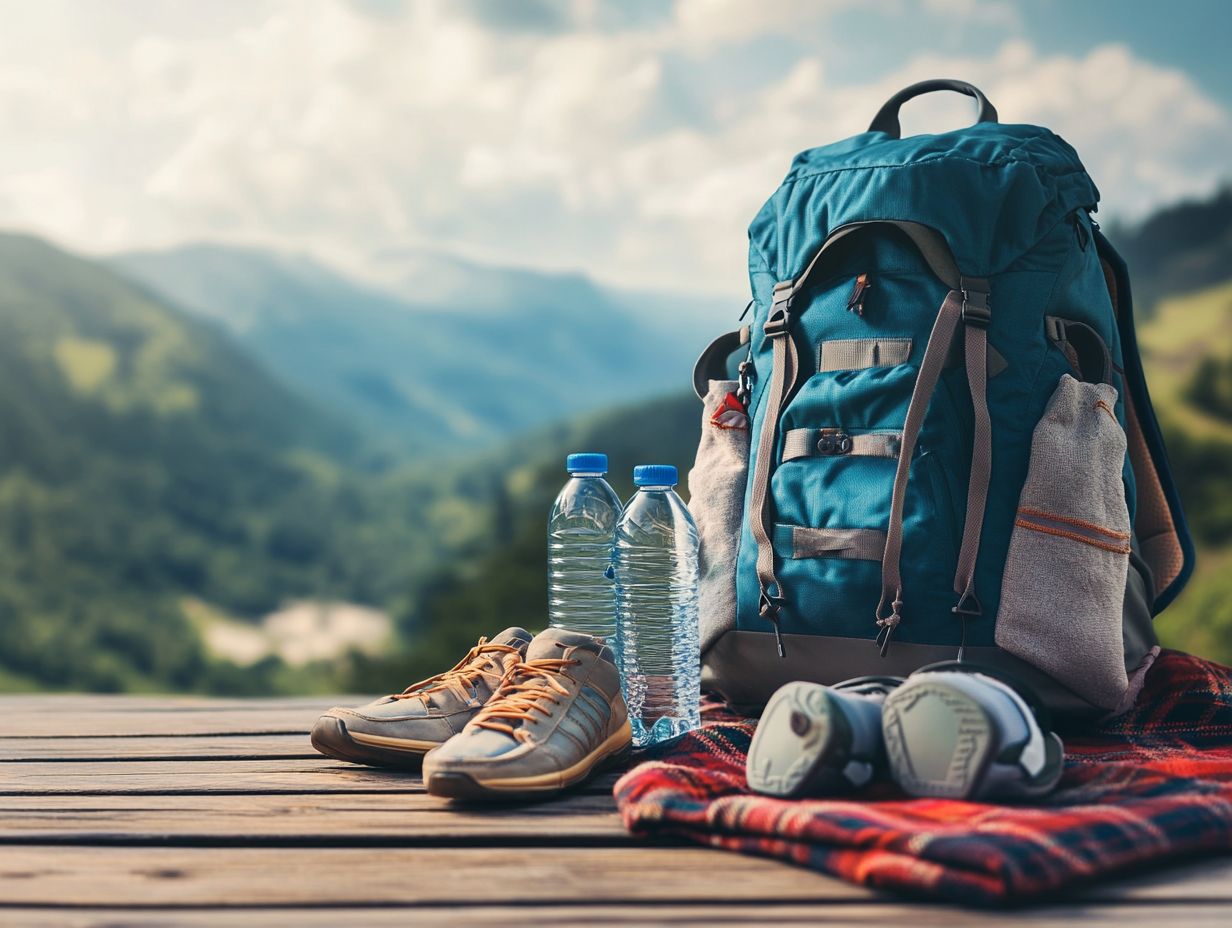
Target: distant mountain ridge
444	354
1181	249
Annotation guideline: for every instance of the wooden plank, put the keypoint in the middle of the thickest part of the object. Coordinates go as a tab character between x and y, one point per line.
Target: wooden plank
852	912
93	723
172	876
311	775
204	776
123	702
176	876
164	747
390	818
1204	879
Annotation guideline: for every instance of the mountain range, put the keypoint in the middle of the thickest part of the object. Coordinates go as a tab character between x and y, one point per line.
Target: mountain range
438	352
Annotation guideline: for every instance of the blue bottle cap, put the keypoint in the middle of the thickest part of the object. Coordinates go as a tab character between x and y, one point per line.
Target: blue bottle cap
586	463
655	475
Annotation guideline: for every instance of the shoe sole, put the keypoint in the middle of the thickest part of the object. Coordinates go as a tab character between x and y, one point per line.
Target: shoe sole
798	736
331	737
938	739
456	784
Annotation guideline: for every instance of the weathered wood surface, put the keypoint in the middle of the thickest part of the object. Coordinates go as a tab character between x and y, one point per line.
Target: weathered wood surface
190	811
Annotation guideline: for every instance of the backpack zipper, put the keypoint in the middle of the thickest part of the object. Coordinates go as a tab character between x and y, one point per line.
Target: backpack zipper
1080	231
855	303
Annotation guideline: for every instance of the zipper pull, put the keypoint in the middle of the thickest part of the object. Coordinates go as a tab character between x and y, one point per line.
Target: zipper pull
1080	231
855	303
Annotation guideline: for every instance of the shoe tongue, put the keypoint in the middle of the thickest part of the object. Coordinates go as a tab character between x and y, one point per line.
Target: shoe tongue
513	636
553	642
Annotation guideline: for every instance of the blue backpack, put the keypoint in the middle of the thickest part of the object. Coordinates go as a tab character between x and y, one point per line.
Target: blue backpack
940	442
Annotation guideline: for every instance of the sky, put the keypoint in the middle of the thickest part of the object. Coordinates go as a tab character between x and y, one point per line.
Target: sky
631	140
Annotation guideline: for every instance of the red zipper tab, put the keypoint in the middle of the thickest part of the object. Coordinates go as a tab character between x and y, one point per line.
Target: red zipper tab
856	303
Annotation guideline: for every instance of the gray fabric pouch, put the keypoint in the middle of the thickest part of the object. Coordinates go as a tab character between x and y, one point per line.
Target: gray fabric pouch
1064	588
716	502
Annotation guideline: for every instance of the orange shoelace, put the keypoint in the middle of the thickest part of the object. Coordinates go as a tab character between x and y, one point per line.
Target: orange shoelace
523	693
481	663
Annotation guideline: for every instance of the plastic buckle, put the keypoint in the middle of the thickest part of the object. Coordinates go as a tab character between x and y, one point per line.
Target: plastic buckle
969	606
776	325
833	442
975	309
769	608
744	380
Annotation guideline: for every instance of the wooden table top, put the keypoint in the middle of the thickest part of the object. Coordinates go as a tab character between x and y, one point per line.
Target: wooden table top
137	810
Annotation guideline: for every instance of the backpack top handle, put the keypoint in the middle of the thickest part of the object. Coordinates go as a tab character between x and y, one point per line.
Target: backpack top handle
886	119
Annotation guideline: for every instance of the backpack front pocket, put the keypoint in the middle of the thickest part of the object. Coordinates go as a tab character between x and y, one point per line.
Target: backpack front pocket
1064	585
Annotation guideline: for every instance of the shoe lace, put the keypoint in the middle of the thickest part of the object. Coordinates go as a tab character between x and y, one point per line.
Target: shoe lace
528	688
482	662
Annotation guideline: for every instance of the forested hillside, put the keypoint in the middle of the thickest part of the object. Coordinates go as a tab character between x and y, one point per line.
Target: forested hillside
142	459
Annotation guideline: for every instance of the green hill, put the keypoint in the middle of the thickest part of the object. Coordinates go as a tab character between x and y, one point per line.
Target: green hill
143	458
1187	351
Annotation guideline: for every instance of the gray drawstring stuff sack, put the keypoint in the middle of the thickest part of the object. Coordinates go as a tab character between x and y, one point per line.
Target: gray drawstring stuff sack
1064	585
716	502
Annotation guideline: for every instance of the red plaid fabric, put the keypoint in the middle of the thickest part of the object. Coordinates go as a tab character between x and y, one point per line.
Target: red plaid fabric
1154	784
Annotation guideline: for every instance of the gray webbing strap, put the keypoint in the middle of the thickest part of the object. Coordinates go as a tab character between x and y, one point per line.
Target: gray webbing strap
976	315
854	354
865	544
970	305
926	382
712	364
785	362
820	443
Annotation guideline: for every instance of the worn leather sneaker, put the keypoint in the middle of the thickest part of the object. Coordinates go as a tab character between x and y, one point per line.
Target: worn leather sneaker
396	731
955	733
557	718
816	740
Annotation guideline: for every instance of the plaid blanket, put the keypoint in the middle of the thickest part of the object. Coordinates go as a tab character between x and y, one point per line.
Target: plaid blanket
1153	784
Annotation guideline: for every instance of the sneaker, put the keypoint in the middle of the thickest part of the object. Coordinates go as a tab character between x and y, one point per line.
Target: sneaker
557	718
819	740
958	734
396	731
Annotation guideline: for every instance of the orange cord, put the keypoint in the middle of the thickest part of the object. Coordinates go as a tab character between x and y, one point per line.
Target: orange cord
522	693
463	674
1073	536
1069	520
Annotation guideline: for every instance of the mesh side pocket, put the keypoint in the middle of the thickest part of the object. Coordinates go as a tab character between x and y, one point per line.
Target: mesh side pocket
1064	587
716	502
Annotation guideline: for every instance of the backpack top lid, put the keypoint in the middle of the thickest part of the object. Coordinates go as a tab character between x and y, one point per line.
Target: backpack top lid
992	190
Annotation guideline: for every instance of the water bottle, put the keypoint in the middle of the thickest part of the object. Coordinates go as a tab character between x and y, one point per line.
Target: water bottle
654	562
580	529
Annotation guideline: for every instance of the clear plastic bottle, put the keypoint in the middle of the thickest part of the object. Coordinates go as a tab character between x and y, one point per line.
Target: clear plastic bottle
580	531
655	566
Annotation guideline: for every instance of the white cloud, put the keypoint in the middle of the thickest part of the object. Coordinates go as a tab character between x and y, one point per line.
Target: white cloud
320	126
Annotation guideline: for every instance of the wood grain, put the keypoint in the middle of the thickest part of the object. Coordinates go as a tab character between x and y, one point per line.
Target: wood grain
310	775
171	876
158	747
187	811
384	818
